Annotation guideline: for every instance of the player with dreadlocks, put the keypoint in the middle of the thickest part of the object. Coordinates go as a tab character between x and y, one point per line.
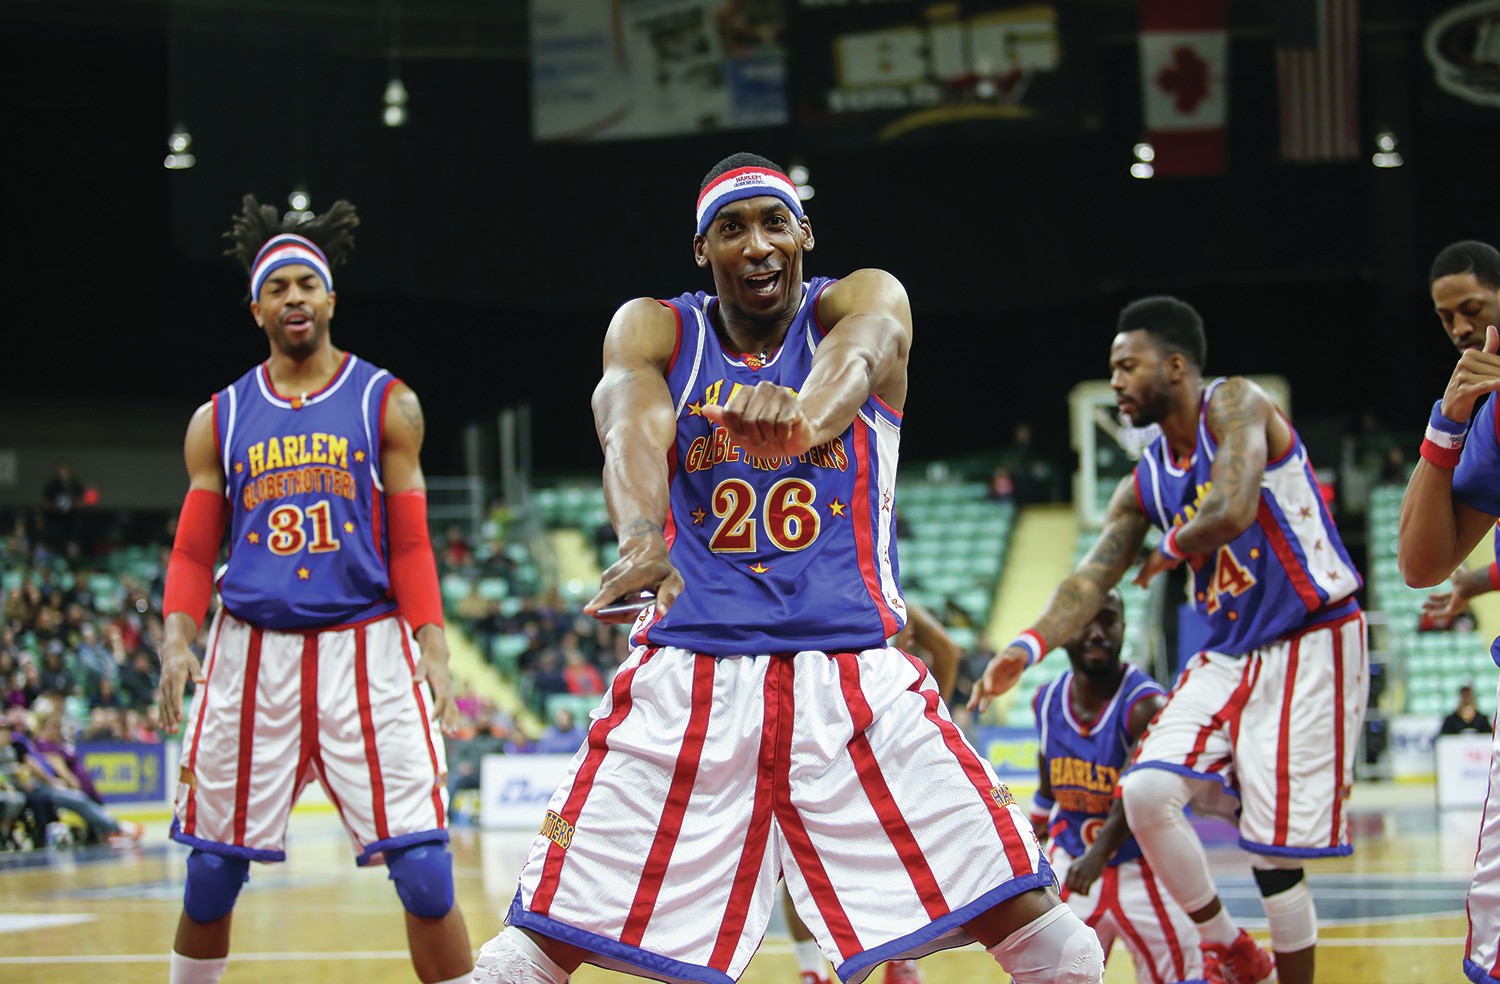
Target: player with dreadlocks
326	659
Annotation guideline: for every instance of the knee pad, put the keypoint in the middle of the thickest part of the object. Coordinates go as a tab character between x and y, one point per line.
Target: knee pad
213	883
1292	917
423	874
1275	880
1150	793
1055	948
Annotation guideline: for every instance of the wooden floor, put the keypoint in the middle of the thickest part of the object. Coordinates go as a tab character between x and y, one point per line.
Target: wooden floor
1392	913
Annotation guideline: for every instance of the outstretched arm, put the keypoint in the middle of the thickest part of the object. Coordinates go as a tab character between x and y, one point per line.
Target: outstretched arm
636	423
1077	598
864	354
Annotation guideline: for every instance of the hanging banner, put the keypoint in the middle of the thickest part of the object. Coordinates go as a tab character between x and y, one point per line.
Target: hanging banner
622	69
1184	83
885	71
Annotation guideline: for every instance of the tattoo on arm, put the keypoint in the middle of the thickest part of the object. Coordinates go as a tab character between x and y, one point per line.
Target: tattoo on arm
411	412
638	527
1237	415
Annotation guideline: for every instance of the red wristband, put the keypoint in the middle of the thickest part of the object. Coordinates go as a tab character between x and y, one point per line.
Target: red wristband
1439	455
190	572
1495	577
413	570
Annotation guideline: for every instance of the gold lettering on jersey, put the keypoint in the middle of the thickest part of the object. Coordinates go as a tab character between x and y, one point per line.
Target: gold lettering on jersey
1189	511
557	830
716	448
1081	786
298	464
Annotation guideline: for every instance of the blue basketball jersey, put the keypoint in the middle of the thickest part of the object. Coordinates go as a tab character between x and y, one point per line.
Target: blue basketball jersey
1084	761
307	538
1289	569
1476	480
778	555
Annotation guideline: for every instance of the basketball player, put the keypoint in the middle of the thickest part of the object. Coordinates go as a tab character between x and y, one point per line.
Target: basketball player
1450	503
922	636
1089	719
311	459
1465	285
1230	484
762	726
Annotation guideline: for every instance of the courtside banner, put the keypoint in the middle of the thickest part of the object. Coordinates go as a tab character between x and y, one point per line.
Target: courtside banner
514	789
911	71
126	772
1011	752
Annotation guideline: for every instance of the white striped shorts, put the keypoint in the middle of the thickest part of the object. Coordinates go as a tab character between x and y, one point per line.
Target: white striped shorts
705	780
1128	903
1275	730
280	709
1482	952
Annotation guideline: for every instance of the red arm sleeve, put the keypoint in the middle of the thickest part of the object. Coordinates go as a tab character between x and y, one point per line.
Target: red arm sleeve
190	572
414	580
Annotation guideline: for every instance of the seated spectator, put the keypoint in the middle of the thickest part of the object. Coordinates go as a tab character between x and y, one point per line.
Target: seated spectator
562	736
46	793
12	796
62	755
1465	716
138	680
54	675
548	677
582	677
107	696
92	658
456	555
104	725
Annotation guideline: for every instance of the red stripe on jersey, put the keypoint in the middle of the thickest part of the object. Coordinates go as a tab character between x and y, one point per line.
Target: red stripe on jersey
1249	677
1283	746
864	538
654	872
247	737
801	845
1005	826
200	706
308	713
1306	590
753	851
583	782
676	345
218	439
1179	964
1140	497
1338	734
416	689
367	727
879	792
265	368
669	534
377	524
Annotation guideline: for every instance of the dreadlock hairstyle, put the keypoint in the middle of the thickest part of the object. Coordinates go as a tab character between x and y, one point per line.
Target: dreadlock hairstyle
333	231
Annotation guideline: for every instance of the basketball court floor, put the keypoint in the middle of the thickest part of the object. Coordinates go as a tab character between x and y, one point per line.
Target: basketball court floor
1392	913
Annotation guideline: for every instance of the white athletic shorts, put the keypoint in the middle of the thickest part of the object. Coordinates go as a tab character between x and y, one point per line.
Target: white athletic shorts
704	780
1482	952
1127	902
1275	729
280	709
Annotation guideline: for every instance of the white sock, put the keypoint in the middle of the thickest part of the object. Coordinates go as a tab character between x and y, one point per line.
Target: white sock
191	970
1219	929
512	957
809	956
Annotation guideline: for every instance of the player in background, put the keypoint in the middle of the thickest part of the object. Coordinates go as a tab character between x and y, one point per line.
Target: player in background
1230	485
1451	501
922	636
1089	720
763	726
313	672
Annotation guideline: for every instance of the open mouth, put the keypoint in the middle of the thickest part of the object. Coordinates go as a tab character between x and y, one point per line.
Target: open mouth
764	283
296	322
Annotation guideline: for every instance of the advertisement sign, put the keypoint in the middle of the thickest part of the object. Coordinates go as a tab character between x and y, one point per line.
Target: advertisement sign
1011	751
870	72
619	69
1411	745
126	773
1463	770
514	789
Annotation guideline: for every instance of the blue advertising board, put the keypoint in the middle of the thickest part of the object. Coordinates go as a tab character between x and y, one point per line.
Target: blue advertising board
126	773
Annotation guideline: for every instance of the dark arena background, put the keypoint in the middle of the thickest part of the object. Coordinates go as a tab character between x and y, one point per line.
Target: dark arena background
522	168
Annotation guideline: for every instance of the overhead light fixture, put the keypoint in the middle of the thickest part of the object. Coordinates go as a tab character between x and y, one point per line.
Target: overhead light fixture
1143	169
1385	150
800	176
395	103
178	143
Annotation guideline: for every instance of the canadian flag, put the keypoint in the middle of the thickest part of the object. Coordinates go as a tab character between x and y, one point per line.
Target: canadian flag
1184	83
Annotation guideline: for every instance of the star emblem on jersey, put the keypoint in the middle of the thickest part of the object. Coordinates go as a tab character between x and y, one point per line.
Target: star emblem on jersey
359	456
348	527
1333	575
253	536
759	568
695	409
836	508
1254	553
887	497
239	466
1305	512
698	516
1318	545
303	574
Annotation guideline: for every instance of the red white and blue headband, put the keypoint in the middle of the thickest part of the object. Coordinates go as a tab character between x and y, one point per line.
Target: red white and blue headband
286	250
745	182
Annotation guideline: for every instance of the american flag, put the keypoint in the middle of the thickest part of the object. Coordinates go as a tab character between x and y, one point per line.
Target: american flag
1317	76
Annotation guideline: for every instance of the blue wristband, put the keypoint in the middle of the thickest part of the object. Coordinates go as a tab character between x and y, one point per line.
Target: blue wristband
1438	422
